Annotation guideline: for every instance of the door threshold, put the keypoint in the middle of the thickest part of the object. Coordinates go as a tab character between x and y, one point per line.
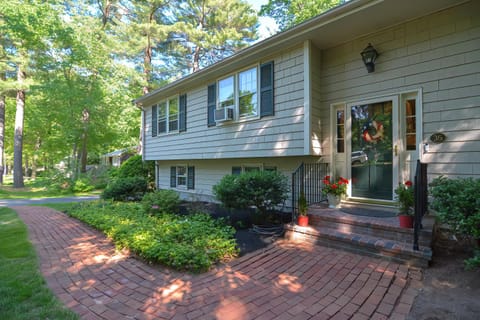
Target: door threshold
370	203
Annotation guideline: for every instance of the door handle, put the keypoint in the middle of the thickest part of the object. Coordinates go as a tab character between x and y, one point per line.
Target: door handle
395	150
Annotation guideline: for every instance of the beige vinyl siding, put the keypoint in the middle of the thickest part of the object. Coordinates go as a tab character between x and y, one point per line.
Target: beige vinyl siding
210	172
439	55
278	135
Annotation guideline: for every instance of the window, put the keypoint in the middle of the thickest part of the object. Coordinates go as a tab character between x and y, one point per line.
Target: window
182	177
168	116
239	91
249	92
251	168
340	136
162	117
410	124
226	93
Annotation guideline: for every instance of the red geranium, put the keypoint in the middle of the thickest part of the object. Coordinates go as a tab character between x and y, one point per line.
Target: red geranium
337	188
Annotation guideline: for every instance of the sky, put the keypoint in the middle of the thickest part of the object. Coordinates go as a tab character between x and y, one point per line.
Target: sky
268	26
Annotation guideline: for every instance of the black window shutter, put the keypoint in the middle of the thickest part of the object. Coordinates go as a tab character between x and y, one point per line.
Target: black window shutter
173	177
182	114
211	105
191	178
154	120
266	90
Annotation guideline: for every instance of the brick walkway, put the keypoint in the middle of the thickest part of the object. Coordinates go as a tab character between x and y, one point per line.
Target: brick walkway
286	281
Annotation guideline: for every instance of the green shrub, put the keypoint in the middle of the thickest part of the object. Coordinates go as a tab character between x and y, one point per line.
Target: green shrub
262	189
193	242
457	203
82	184
162	201
136	167
126	189
474	262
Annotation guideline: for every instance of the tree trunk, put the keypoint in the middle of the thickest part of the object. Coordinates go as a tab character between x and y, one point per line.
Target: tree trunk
18	135
2	135
84	152
35	158
196	59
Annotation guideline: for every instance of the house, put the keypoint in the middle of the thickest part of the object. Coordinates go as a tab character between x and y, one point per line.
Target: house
306	96
117	157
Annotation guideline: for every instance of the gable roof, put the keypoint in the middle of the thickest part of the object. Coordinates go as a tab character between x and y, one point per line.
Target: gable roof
341	24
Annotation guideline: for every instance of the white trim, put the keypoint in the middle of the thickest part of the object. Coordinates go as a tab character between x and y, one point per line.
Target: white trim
307	99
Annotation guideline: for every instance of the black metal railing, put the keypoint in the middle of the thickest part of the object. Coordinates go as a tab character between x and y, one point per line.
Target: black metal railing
421	200
308	178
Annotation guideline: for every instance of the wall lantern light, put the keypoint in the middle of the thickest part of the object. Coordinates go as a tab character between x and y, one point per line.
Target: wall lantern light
369	55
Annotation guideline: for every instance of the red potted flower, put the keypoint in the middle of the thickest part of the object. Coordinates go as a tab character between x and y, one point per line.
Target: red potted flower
334	190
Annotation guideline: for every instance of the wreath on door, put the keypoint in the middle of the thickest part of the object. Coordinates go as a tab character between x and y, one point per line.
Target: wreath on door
373	131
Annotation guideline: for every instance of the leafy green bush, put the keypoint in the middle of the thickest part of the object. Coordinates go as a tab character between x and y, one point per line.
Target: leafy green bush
162	201
193	242
457	203
262	189
136	167
126	189
82	184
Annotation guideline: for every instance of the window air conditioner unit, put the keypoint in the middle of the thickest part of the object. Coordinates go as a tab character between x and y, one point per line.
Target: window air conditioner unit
224	114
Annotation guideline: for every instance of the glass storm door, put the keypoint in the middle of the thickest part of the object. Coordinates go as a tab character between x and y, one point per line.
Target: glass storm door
373	128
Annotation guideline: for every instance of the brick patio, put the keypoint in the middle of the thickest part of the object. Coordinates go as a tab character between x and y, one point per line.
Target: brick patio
285	281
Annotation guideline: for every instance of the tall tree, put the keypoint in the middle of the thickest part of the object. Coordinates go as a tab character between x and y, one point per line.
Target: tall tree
25	26
288	13
211	30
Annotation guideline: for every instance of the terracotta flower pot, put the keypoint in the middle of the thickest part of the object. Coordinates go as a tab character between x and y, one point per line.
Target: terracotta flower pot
302	221
405	221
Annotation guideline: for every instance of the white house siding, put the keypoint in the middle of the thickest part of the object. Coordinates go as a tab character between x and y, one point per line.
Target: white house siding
209	172
438	54
278	135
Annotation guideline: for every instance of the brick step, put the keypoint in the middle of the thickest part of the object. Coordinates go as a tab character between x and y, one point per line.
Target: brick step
399	251
372	228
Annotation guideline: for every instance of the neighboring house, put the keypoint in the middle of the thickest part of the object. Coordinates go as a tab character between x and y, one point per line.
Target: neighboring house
304	95
117	157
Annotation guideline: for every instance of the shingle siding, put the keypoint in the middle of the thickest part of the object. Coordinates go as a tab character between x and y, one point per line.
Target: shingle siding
439	55
280	135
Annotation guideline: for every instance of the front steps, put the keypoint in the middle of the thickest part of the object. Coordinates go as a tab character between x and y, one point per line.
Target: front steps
372	236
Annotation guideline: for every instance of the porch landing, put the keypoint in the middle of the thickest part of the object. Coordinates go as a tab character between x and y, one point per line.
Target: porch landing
373	236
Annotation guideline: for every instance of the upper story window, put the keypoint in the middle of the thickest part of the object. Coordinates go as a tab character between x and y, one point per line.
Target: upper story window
240	92
226	93
245	94
168	116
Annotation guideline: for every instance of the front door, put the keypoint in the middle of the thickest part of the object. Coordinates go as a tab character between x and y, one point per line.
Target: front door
373	162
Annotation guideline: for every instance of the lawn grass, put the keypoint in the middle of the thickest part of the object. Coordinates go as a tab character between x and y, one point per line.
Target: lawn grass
24	294
39	188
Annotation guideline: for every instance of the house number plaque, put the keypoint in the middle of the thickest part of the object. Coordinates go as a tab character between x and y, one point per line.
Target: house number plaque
438	137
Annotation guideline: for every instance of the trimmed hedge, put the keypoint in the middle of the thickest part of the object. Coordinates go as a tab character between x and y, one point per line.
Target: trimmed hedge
126	189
